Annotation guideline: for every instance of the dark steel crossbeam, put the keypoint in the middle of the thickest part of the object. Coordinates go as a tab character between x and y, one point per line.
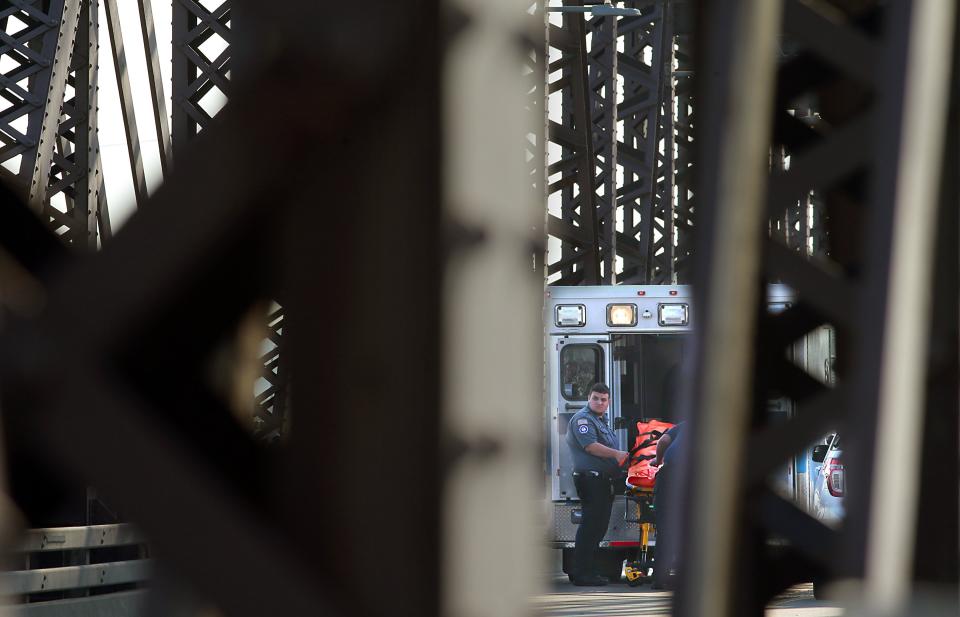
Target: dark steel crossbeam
865	151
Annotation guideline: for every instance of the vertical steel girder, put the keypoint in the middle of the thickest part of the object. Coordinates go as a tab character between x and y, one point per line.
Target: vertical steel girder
673	207
80	177
640	112
683	167
879	72
579	225
601	86
640	145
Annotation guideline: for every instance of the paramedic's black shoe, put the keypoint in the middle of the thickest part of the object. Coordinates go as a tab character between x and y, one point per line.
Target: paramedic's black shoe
588	581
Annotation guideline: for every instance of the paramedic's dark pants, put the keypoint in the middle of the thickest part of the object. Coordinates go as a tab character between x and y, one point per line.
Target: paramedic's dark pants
666	550
596	501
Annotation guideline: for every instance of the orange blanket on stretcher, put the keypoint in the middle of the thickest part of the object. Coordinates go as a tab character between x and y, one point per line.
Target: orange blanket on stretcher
641	474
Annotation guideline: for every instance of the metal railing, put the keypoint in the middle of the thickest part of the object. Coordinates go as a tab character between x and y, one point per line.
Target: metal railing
94	581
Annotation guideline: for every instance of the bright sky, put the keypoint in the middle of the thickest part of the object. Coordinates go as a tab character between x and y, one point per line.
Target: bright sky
113	150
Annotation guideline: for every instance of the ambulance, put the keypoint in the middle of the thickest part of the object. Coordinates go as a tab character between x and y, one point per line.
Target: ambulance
635	339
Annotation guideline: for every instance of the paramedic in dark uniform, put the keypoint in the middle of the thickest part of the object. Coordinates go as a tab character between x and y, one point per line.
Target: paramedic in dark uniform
670	448
596	466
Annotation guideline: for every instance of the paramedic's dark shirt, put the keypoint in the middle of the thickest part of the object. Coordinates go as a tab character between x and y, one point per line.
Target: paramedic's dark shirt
584	429
678	445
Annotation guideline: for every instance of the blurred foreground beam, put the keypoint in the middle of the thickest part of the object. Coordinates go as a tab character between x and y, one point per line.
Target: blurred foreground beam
880	192
738	62
289	531
492	299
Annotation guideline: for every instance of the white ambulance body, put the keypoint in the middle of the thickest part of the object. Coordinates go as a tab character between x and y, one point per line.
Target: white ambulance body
634	339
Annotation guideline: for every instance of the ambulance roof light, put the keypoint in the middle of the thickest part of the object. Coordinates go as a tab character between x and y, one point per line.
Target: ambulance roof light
673	314
621	315
571	315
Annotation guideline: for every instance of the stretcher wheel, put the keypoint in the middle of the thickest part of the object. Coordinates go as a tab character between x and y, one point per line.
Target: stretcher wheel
636	574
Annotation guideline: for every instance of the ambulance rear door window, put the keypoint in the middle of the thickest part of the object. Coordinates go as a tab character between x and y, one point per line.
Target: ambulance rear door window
581	366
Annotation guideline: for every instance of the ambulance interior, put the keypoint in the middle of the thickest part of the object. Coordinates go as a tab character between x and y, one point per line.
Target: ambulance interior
646	372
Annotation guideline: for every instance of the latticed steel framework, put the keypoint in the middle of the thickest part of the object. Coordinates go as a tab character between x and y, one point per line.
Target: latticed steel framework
48	126
201	64
619	196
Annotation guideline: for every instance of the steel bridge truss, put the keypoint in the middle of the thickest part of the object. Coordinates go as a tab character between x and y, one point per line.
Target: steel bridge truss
818	204
620	127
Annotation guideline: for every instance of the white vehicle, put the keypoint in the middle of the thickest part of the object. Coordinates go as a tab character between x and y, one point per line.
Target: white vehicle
829	482
633	338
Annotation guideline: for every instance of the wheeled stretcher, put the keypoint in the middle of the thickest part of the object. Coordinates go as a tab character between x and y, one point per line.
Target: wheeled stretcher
640	483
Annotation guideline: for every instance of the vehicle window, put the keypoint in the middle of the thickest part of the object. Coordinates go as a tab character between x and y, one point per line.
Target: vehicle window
581	366
836	443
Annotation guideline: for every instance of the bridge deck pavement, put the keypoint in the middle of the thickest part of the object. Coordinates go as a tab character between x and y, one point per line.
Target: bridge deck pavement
564	600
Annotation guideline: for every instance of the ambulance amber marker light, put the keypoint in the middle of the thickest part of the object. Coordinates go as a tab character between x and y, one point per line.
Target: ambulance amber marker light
621	315
673	292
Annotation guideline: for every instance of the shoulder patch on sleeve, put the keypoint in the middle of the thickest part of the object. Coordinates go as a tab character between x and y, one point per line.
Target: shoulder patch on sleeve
583	421
583	428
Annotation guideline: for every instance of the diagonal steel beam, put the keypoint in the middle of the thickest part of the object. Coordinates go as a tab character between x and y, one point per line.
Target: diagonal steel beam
155	77
53	84
127	108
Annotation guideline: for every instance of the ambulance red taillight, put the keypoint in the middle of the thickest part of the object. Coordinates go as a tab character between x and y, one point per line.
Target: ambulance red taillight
836	479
